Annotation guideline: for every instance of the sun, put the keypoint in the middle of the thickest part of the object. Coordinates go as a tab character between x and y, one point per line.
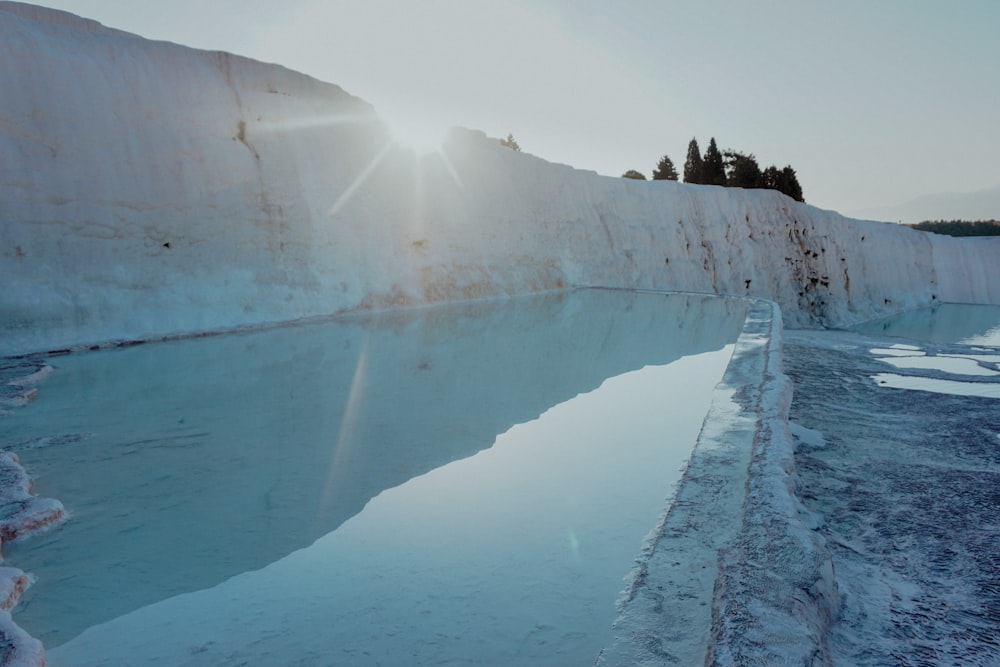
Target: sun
418	133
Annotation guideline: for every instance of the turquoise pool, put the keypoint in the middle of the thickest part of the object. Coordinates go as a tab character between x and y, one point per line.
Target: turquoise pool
466	484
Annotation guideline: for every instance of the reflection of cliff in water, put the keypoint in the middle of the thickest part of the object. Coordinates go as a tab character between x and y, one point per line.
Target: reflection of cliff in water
943	323
215	456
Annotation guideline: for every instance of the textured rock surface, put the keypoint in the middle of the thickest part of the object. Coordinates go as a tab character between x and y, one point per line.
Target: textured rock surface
17	647
21	513
150	189
904	485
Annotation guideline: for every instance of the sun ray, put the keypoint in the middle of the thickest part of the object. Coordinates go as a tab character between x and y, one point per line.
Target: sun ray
309	122
351	189
346	433
450	167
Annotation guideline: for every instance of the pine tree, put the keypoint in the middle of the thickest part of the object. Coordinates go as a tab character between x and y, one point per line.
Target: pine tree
510	143
665	170
790	184
693	165
783	180
633	174
771	178
713	168
742	171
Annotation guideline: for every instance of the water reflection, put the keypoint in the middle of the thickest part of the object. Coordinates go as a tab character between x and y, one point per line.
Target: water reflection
963	324
185	464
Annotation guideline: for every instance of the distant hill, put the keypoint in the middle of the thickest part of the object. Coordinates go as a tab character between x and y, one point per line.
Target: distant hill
979	205
960	227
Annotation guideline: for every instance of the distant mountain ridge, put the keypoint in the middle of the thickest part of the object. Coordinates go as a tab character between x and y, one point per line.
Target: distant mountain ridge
977	205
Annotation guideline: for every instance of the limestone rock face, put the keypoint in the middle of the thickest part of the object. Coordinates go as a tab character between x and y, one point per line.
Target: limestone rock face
149	189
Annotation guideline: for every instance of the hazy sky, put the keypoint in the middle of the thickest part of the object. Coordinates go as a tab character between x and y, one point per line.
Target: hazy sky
873	102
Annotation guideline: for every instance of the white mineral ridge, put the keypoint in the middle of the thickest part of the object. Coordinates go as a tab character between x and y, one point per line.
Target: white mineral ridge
149	189
20	649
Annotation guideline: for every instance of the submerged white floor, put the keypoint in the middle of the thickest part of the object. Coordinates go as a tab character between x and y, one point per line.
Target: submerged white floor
512	553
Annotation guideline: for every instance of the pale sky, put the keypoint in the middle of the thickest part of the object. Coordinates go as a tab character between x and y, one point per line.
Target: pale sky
873	102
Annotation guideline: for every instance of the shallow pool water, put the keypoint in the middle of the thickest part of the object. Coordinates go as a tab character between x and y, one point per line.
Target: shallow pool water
962	356
458	485
964	324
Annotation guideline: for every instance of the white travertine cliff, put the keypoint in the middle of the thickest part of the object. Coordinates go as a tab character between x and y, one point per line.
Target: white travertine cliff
149	189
